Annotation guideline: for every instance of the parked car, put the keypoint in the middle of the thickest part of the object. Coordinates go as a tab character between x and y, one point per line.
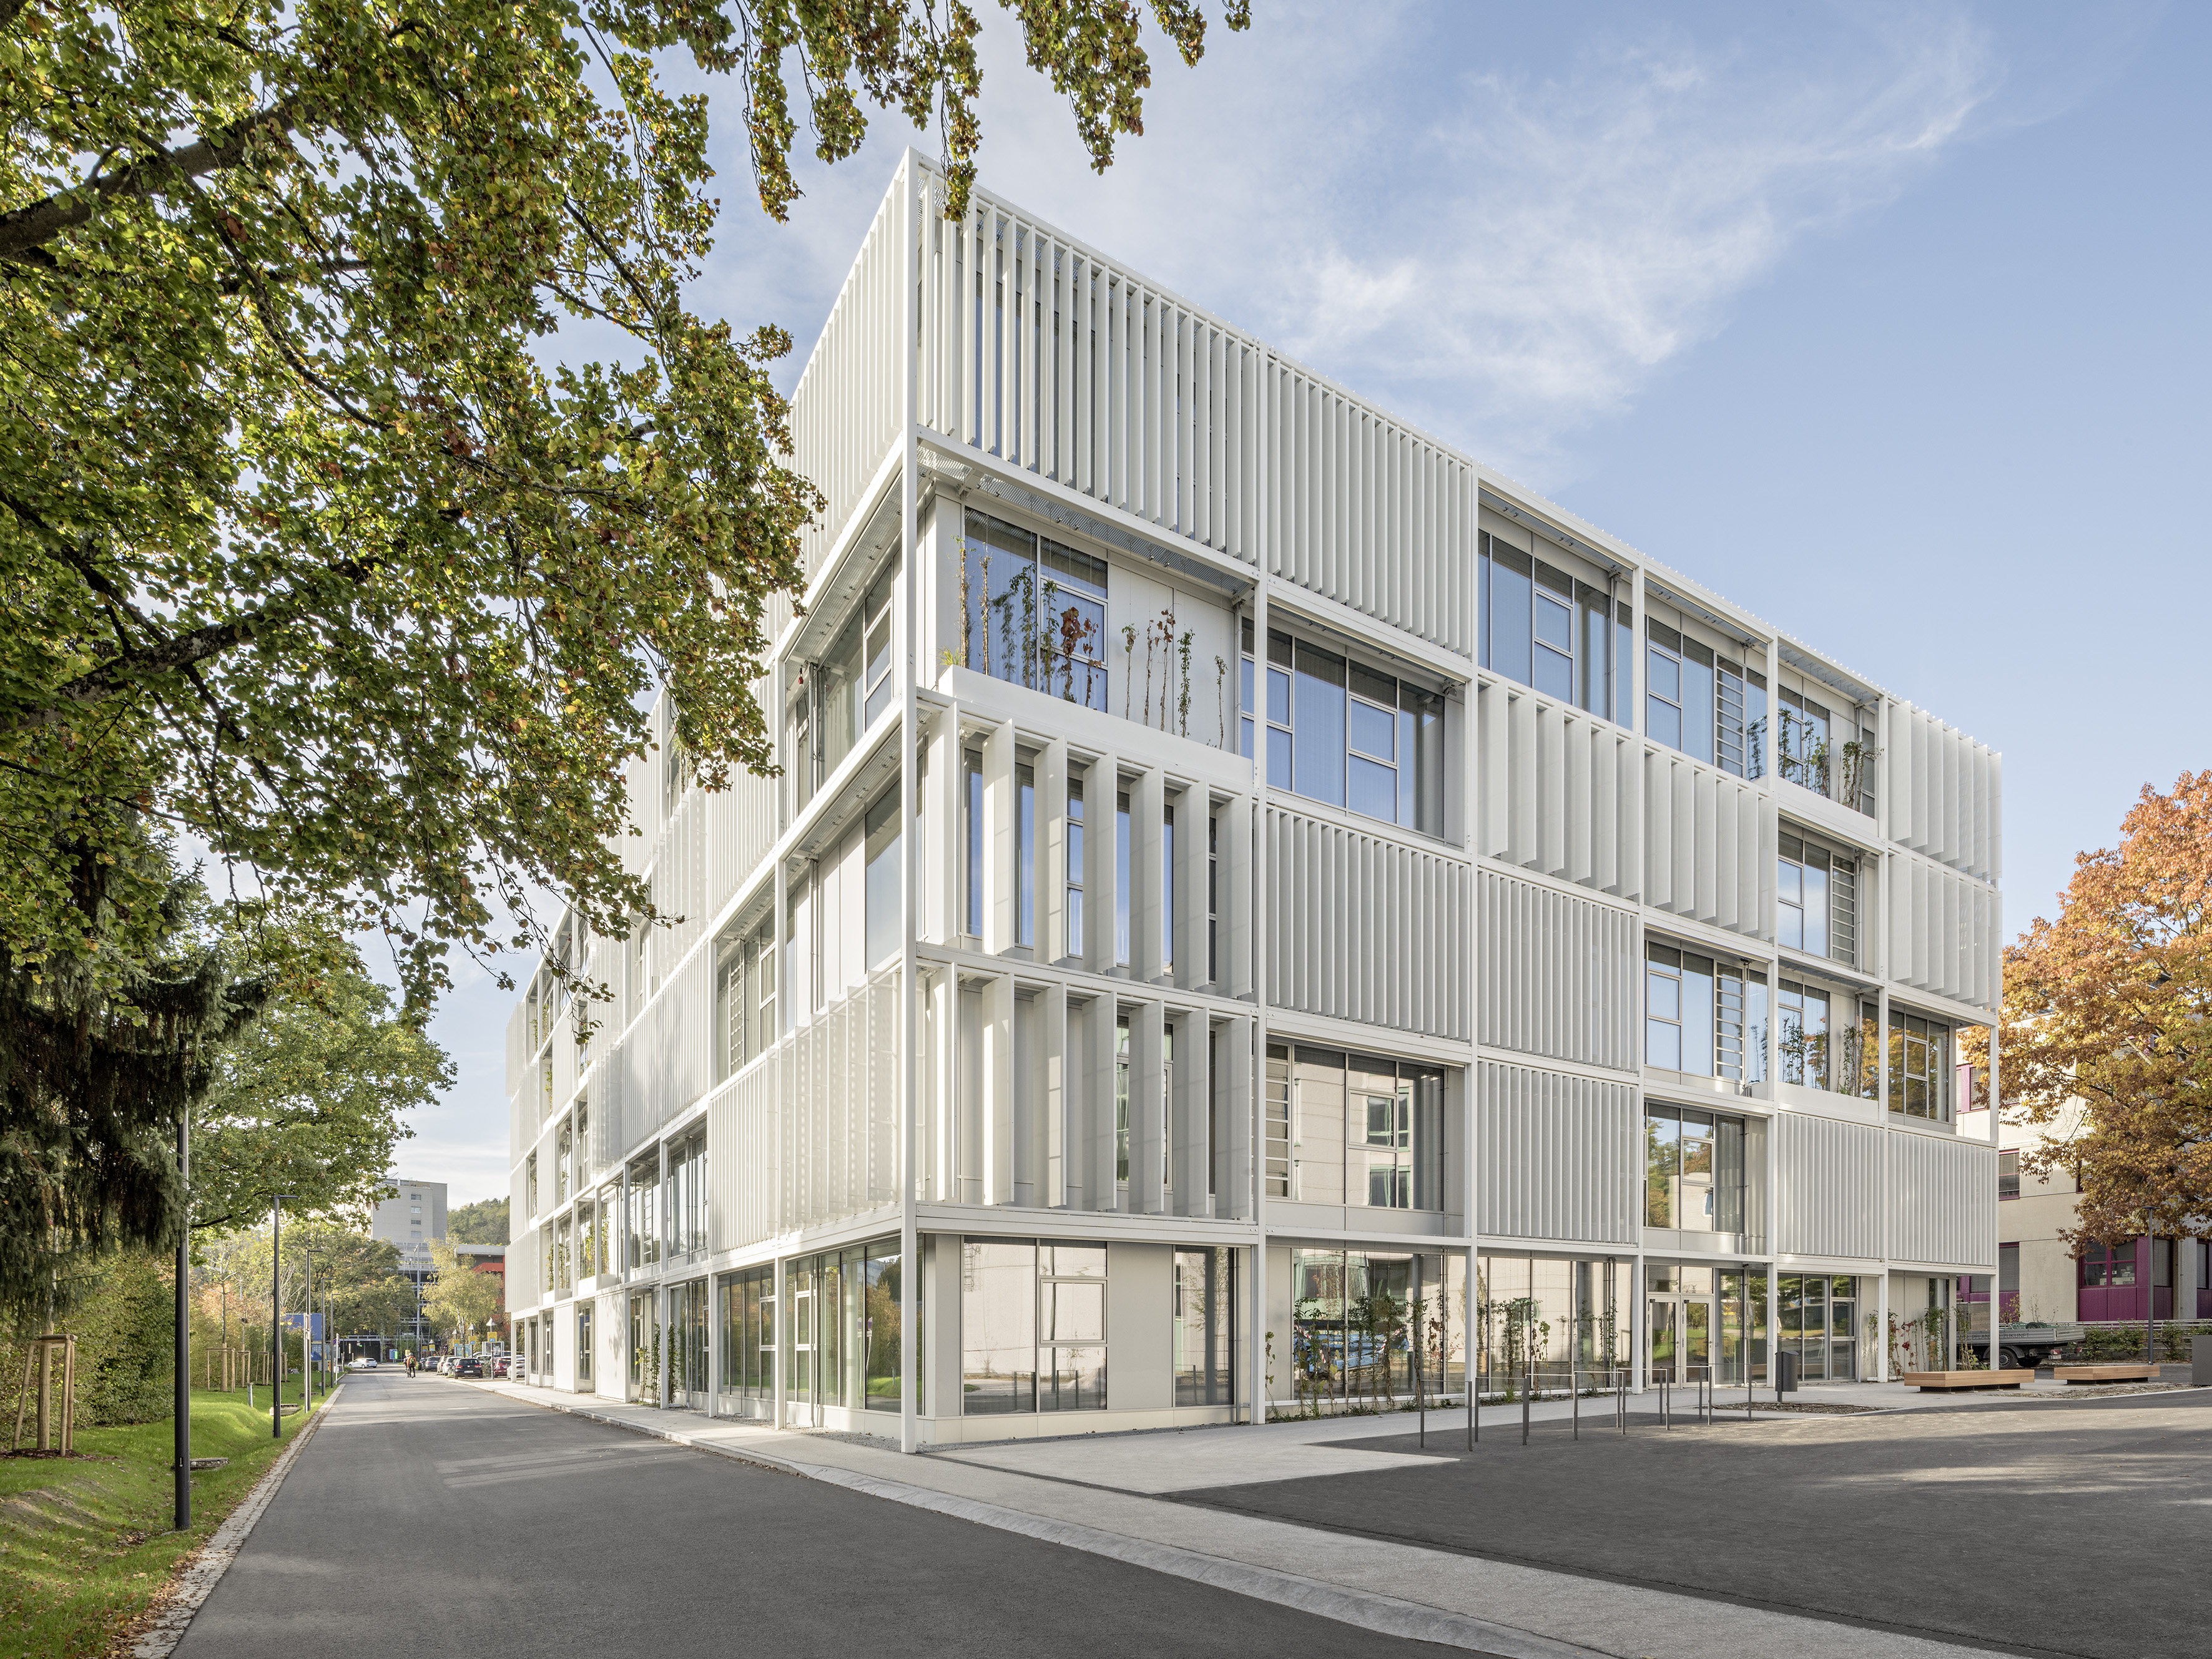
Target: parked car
501	1366
470	1366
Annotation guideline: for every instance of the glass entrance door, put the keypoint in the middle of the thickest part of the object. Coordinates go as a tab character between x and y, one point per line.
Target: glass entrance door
1682	1330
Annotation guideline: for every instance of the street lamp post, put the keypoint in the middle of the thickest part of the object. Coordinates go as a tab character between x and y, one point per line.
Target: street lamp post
183	1381
276	1315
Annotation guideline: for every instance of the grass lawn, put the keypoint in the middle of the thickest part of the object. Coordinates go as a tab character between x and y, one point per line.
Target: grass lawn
86	1542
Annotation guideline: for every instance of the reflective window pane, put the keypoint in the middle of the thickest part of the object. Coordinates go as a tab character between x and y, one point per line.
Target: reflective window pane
1373	789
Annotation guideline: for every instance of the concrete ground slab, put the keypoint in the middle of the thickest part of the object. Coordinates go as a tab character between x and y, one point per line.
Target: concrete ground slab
2006	1524
1518	1609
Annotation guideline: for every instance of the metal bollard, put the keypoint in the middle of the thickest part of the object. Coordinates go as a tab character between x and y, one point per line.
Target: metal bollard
1575	1395
1666	1402
1528	1387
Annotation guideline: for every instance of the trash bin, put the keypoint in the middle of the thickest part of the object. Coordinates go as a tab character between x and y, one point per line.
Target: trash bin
2200	1361
1785	1373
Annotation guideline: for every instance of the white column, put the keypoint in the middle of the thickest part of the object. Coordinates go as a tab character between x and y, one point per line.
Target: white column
1101	1190
1000	915
909	663
943	854
940	1181
1052	1107
1882	1327
1194	812
1147	868
1101	879
1190	1109
1148	1108
1235	1198
998	1090
1052	851
1235	898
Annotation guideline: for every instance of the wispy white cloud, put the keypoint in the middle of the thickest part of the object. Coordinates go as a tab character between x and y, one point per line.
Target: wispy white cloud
1604	222
1504	252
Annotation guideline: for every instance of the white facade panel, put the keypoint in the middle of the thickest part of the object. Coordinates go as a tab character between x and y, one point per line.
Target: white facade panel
1830	1177
1365	929
1943	1201
1557	1156
1558	974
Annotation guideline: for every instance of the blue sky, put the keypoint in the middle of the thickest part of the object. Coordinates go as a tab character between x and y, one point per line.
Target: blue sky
1888	322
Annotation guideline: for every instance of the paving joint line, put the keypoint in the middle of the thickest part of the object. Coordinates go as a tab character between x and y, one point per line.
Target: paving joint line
196	1578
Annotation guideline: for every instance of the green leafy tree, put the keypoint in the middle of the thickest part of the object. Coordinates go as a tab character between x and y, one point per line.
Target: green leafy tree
306	546
483	1222
101	1054
308	1099
461	1297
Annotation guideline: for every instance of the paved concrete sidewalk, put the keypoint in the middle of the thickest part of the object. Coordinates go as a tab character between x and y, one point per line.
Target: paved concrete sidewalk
1506	1608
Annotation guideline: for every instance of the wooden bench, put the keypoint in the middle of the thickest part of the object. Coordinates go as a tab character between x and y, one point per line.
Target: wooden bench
1941	1381
2104	1373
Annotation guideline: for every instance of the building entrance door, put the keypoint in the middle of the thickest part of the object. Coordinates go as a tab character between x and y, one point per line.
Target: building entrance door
1682	1328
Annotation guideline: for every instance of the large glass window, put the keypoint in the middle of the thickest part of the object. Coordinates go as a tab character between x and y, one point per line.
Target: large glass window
1034	612
1033	1332
1679	1014
1205	1327
1370	1131
1815	899
748	1314
1353	736
1359	1320
684	1195
1803	1036
1919	1066
884	933
1738	718
1819	1316
644	1221
1801	749
1545	627
1693	1170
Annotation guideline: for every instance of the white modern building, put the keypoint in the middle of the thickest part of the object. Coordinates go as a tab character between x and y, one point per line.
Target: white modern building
410	1216
1242	868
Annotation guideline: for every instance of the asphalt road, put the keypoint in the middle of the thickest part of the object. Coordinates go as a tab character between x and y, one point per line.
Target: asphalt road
431	1512
2077	1528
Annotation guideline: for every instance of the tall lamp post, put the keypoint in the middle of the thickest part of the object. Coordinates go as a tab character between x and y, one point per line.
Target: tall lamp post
184	1380
276	1315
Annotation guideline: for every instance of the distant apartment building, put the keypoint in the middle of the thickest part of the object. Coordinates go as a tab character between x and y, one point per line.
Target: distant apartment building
2050	1280
1240	864
410	1218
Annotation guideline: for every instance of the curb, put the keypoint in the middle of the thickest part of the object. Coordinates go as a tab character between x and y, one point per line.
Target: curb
1386	1615
203	1568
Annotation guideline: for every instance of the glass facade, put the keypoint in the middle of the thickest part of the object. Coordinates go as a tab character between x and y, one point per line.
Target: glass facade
1034	613
748	1316
1818	1323
1704	1324
1553	1312
1704	1015
1362	1320
1694	1177
688	1308
1366	1131
1205	1327
1033	1335
841	1340
1340	731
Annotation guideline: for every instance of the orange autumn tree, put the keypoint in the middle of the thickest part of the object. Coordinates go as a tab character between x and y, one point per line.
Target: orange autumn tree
2105	1009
